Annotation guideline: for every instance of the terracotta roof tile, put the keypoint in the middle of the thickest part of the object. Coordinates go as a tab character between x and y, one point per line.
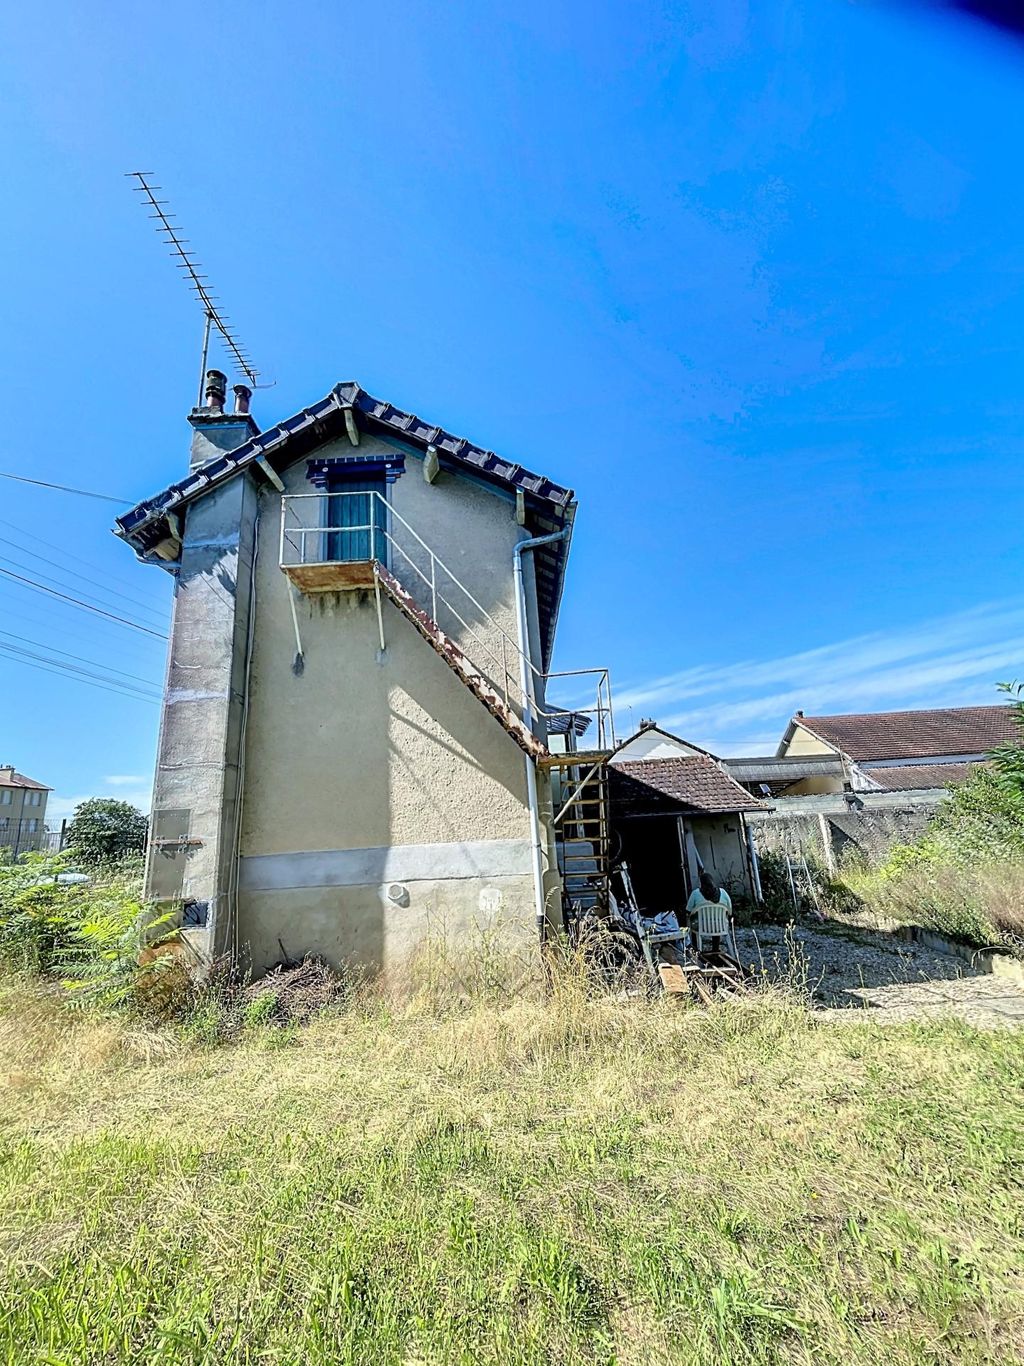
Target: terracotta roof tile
9	778
914	734
911	777
685	784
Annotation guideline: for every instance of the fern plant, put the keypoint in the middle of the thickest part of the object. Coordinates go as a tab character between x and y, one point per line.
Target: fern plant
102	965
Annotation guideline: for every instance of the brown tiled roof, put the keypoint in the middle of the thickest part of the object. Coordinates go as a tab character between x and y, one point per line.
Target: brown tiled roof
9	779
655	785
910	777
914	734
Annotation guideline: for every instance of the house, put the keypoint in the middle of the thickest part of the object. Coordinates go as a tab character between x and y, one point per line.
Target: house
899	751
674	811
22	811
353	749
869	778
886	751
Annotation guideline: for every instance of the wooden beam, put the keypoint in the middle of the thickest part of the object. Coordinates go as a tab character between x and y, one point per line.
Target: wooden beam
520	508
270	472
431	465
350	426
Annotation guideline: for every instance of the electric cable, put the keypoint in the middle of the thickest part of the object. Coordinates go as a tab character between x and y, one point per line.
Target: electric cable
93	593
73	677
63	488
66	597
65	554
96	663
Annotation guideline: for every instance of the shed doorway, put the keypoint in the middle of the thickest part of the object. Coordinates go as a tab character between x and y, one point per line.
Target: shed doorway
650	846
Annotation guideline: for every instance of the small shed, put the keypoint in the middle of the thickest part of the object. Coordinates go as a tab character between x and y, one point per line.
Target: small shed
675	810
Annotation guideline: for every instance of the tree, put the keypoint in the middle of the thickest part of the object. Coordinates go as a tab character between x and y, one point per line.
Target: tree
1009	758
104	830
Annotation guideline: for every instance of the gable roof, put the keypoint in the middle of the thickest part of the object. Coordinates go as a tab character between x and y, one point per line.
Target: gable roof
11	778
867	736
698	784
547	506
648	730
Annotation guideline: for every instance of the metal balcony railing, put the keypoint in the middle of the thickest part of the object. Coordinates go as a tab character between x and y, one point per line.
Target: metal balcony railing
361	527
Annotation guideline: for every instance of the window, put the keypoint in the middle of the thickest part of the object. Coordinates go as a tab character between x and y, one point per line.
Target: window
355	509
5	822
33	825
5	796
34	797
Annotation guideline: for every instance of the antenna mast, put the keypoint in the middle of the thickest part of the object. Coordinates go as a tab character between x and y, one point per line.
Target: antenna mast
186	262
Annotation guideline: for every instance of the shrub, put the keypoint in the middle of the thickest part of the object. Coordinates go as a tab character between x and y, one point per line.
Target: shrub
37	914
104	830
964	877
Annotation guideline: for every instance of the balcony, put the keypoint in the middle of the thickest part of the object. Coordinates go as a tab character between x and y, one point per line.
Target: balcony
329	541
355	540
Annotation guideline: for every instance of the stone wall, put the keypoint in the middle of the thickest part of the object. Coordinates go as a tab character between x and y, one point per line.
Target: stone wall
834	827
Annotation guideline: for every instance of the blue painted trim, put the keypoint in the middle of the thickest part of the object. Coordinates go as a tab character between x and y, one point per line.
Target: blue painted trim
335	469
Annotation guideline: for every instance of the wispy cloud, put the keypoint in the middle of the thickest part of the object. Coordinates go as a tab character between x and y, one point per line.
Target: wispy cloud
948	660
126	780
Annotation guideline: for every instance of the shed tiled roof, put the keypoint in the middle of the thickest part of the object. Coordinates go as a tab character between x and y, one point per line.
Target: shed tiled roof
914	777
691	784
15	779
914	734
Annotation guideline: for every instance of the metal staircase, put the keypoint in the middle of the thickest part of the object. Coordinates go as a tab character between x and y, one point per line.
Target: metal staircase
376	549
458	662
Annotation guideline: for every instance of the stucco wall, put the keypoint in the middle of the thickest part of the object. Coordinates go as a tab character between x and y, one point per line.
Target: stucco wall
195	792
378	756
803	742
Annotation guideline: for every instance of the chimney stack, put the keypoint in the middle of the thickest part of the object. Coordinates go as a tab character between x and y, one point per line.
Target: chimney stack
216	390
215	431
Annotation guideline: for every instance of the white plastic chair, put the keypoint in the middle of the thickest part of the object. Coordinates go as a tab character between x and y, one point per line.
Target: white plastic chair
713	923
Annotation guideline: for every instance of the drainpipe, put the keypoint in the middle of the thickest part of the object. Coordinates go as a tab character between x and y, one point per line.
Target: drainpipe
526	683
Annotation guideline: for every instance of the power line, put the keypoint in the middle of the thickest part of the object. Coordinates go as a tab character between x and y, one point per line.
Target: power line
67	555
76	675
66	597
24	656
63	488
98	593
43	645
87	628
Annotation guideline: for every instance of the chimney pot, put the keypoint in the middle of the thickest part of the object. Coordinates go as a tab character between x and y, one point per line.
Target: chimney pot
242	394
216	390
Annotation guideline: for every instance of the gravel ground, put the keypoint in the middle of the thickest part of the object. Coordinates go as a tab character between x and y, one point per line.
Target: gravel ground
852	969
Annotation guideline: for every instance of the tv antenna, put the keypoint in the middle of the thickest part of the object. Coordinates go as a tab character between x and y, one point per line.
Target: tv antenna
186	261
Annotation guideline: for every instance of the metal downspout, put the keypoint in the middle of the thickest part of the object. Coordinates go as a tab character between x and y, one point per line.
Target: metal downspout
529	703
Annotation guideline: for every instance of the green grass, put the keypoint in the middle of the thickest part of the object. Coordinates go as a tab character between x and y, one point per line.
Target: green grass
528	1183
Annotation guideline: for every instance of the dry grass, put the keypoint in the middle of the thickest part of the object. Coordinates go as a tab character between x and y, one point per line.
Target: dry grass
510	1180
980	905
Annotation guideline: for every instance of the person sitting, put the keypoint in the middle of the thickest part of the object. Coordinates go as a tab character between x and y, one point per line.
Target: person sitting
707	892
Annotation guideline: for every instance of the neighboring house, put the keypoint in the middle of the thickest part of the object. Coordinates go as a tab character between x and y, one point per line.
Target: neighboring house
675	810
885	751
869	778
22	811
353	749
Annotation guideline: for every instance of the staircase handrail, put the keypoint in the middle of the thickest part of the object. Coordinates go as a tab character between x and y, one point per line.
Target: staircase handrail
601	711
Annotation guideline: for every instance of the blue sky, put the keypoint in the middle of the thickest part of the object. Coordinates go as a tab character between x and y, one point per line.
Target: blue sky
746	276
